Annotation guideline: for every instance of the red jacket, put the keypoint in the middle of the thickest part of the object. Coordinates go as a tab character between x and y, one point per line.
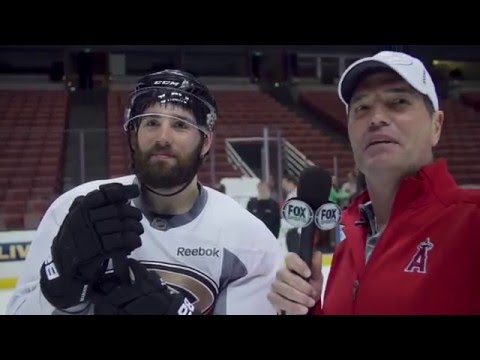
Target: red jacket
427	261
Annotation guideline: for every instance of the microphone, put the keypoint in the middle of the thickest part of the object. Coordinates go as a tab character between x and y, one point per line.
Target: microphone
311	210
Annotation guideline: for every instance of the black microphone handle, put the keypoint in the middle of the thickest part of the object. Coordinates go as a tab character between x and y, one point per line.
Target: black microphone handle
307	237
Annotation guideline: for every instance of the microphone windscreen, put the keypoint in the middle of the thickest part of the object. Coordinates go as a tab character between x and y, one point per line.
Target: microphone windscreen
314	186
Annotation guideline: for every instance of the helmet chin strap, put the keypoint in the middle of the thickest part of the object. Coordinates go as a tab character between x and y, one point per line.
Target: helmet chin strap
168	195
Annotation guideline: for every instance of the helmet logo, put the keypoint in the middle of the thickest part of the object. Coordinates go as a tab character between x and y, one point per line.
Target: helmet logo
185	84
165	82
210	121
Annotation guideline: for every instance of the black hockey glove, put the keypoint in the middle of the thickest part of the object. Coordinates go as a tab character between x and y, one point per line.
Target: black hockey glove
146	294
98	226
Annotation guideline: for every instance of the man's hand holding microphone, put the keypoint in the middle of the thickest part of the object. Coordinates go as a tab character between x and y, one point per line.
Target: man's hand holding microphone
298	285
297	288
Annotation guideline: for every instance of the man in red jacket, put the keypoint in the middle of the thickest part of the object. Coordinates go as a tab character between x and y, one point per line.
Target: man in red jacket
412	240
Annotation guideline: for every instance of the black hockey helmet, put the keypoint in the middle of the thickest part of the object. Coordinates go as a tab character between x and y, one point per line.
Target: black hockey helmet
176	87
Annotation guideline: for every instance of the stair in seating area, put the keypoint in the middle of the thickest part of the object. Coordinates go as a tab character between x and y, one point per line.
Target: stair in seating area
245	114
460	141
326	104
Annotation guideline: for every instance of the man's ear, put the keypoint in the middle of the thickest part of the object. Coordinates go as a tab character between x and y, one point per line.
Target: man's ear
207	144
437	124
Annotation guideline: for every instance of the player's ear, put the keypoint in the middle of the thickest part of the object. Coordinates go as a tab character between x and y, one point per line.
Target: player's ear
207	144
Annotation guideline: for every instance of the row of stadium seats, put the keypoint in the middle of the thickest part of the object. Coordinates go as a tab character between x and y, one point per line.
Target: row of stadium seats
32	125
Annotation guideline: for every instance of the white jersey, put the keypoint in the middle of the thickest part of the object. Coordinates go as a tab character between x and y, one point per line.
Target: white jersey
285	227
218	254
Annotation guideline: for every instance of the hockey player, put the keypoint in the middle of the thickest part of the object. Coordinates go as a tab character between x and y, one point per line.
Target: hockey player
157	242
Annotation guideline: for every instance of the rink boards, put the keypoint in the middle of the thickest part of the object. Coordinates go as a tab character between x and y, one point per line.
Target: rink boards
14	247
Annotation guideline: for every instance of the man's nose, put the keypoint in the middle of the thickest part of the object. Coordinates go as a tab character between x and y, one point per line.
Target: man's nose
164	133
379	117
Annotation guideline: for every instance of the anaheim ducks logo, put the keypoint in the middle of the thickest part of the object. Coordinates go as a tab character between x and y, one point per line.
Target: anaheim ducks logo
196	286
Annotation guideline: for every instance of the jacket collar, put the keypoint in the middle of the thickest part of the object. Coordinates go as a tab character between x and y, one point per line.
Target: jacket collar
433	179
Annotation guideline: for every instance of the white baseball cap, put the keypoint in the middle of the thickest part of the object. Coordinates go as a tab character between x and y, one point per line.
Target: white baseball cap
409	68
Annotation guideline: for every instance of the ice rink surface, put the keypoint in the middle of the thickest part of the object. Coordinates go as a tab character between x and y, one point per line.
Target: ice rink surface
4	297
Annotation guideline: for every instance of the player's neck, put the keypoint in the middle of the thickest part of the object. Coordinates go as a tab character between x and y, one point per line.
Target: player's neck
172	205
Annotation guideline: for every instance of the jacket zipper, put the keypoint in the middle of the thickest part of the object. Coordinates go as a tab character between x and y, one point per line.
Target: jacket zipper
356	283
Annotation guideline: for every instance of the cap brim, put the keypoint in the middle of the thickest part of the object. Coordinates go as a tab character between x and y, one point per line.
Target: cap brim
355	74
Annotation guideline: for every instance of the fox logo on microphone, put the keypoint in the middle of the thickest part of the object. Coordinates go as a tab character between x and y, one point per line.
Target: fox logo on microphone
328	216
297	213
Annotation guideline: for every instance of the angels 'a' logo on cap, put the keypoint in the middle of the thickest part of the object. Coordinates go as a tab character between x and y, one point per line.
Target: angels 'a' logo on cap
328	216
297	213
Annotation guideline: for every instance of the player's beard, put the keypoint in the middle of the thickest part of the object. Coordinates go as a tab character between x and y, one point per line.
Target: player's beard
163	174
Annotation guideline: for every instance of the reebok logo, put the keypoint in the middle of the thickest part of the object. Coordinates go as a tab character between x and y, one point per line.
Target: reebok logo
181	251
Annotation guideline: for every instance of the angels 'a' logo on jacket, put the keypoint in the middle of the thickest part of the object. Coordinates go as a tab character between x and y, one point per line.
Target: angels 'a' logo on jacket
418	263
196	286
